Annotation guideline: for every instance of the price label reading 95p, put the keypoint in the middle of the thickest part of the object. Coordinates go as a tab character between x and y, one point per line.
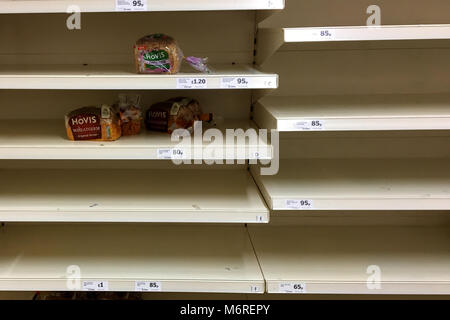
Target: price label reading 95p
235	82
303	204
192	83
131	5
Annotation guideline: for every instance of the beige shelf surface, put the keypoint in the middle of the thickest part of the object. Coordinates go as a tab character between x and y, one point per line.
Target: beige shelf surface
209	196
180	259
365	184
342	260
47	139
55	6
354	113
113	77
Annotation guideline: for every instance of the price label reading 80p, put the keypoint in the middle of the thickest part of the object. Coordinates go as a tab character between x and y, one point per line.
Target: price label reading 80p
131	5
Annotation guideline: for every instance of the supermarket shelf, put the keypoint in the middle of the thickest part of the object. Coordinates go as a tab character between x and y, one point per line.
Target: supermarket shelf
60	6
123	77
170	195
354	113
310	38
341	260
177	258
366	184
47	140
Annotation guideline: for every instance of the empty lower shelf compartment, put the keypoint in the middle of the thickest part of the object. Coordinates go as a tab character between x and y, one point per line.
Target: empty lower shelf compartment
354	260
363	184
179	195
128	258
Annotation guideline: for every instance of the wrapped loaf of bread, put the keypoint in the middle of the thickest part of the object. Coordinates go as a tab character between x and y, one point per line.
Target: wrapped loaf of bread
160	53
177	113
93	123
157	53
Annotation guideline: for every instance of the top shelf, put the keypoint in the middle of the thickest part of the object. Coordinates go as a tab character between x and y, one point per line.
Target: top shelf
351	37
60	6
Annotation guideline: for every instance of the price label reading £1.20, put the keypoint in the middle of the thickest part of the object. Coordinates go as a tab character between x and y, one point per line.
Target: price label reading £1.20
131	5
299	204
235	82
192	83
147	286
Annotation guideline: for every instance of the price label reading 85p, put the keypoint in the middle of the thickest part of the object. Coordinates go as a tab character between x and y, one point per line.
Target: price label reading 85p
131	5
146	286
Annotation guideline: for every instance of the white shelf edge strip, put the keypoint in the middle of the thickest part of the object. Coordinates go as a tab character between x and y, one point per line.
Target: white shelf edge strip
367	33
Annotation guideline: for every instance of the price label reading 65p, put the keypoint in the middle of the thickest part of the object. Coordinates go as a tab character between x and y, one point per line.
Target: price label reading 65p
131	5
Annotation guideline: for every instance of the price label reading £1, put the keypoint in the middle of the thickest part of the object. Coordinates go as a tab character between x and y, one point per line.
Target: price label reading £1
299	204
131	5
235	82
95	286
192	83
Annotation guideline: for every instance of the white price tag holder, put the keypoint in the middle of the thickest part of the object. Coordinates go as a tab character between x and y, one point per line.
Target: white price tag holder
131	5
171	153
303	204
235	82
192	83
309	125
148	286
95	285
288	287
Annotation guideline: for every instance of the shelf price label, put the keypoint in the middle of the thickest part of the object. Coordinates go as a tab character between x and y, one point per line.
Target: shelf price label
171	153
303	204
288	287
309	125
131	5
148	286
95	286
235	82
192	83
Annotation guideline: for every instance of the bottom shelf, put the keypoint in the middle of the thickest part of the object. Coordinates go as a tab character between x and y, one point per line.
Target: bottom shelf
354	260
114	257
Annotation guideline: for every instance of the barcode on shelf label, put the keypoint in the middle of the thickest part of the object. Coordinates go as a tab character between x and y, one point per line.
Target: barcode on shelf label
170	153
192	83
309	125
131	5
148	286
288	287
235	82
299	204
95	286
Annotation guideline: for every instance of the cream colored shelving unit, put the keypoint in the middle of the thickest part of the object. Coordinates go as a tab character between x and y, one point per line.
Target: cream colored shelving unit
61	6
177	258
354	260
47	140
354	113
367	184
202	196
118	77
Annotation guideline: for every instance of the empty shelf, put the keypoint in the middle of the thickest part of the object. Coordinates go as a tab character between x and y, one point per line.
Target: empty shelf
354	113
173	258
271	40
115	77
354	260
210	196
344	184
54	6
47	140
